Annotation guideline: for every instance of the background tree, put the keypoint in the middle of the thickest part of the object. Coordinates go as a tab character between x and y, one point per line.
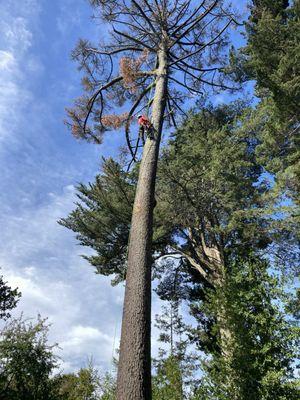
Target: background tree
102	218
26	361
176	364
8	299
211	165
271	58
176	352
108	387
264	341
175	48
82	385
167	382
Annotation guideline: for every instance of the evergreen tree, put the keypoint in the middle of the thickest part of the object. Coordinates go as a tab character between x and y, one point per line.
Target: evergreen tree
216	216
263	342
176	363
108	387
271	58
102	220
167	383
272	52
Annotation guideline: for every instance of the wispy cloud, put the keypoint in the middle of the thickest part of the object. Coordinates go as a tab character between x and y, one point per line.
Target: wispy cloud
15	42
39	167
42	259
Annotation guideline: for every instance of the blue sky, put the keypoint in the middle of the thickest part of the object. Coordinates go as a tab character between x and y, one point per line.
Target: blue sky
40	163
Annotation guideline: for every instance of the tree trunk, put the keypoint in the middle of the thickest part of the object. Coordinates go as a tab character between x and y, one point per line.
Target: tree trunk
134	371
226	337
217	278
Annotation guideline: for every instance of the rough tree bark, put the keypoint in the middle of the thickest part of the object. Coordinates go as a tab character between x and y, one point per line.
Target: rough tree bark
134	370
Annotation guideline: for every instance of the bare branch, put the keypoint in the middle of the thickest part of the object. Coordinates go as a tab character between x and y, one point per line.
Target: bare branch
194	23
92	100
171	112
193	66
110	53
186	22
202	47
177	106
181	14
133	39
185	85
144	15
200	79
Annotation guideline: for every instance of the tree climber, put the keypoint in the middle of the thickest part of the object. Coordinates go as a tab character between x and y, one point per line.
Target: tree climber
145	127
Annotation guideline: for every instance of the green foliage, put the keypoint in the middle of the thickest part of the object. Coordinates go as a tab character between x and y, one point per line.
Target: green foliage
278	152
261	344
271	57
294	305
84	385
211	166
273	52
8	299
176	364
26	361
168	383
108	387
214	164
102	219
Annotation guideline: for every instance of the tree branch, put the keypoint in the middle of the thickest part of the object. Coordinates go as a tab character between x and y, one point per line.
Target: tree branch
194	23
181	13
171	112
178	107
110	53
92	100
185	86
144	15
205	275
203	47
133	39
187	21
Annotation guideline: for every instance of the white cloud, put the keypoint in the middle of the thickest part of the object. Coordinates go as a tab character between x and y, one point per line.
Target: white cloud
16	34
7	61
15	42
42	260
36	254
